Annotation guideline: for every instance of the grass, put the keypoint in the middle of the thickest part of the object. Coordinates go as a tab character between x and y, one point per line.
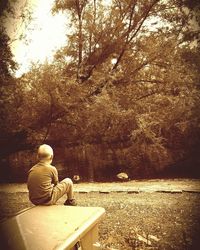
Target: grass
134	221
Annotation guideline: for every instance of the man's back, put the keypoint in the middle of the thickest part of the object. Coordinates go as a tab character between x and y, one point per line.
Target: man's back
41	179
43	185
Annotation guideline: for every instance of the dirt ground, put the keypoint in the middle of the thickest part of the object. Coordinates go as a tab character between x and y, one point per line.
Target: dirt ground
143	220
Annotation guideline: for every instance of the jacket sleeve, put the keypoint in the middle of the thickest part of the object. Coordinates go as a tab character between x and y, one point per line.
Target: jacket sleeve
55	176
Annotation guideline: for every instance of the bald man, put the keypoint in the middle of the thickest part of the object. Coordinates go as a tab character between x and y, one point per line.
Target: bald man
43	185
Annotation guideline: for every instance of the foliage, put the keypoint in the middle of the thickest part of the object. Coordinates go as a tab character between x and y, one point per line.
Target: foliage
12	134
129	73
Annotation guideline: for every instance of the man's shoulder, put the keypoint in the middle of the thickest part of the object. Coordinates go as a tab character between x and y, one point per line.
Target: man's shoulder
33	167
41	164
53	168
47	165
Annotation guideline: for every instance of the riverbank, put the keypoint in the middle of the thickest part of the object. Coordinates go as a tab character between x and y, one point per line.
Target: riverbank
164	214
153	185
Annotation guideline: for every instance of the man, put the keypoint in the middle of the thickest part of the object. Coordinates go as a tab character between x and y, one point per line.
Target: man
43	185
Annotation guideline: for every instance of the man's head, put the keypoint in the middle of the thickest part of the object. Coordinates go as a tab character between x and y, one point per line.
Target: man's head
45	152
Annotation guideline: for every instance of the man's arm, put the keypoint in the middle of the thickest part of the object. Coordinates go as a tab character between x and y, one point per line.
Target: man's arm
55	176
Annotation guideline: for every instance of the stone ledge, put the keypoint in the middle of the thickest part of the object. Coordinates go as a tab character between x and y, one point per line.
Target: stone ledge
175	191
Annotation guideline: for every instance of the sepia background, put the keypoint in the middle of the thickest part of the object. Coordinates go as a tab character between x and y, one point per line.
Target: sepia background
113	86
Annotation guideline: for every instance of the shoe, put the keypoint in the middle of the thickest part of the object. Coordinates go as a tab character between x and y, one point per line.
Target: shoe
70	202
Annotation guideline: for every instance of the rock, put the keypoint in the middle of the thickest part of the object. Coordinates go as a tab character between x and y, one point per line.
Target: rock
152	237
76	178
133	191
143	239
122	176
104	192
176	191
97	245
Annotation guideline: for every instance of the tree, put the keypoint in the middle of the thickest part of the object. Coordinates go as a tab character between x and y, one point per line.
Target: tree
127	77
153	79
7	85
12	135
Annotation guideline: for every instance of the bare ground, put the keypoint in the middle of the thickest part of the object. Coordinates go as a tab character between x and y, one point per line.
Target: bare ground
144	220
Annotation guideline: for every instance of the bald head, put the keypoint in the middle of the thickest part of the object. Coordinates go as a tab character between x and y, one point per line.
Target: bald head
45	152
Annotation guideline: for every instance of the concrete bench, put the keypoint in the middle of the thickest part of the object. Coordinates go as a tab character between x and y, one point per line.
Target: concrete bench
55	227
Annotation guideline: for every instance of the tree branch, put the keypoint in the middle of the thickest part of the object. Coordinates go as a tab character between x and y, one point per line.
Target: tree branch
128	32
